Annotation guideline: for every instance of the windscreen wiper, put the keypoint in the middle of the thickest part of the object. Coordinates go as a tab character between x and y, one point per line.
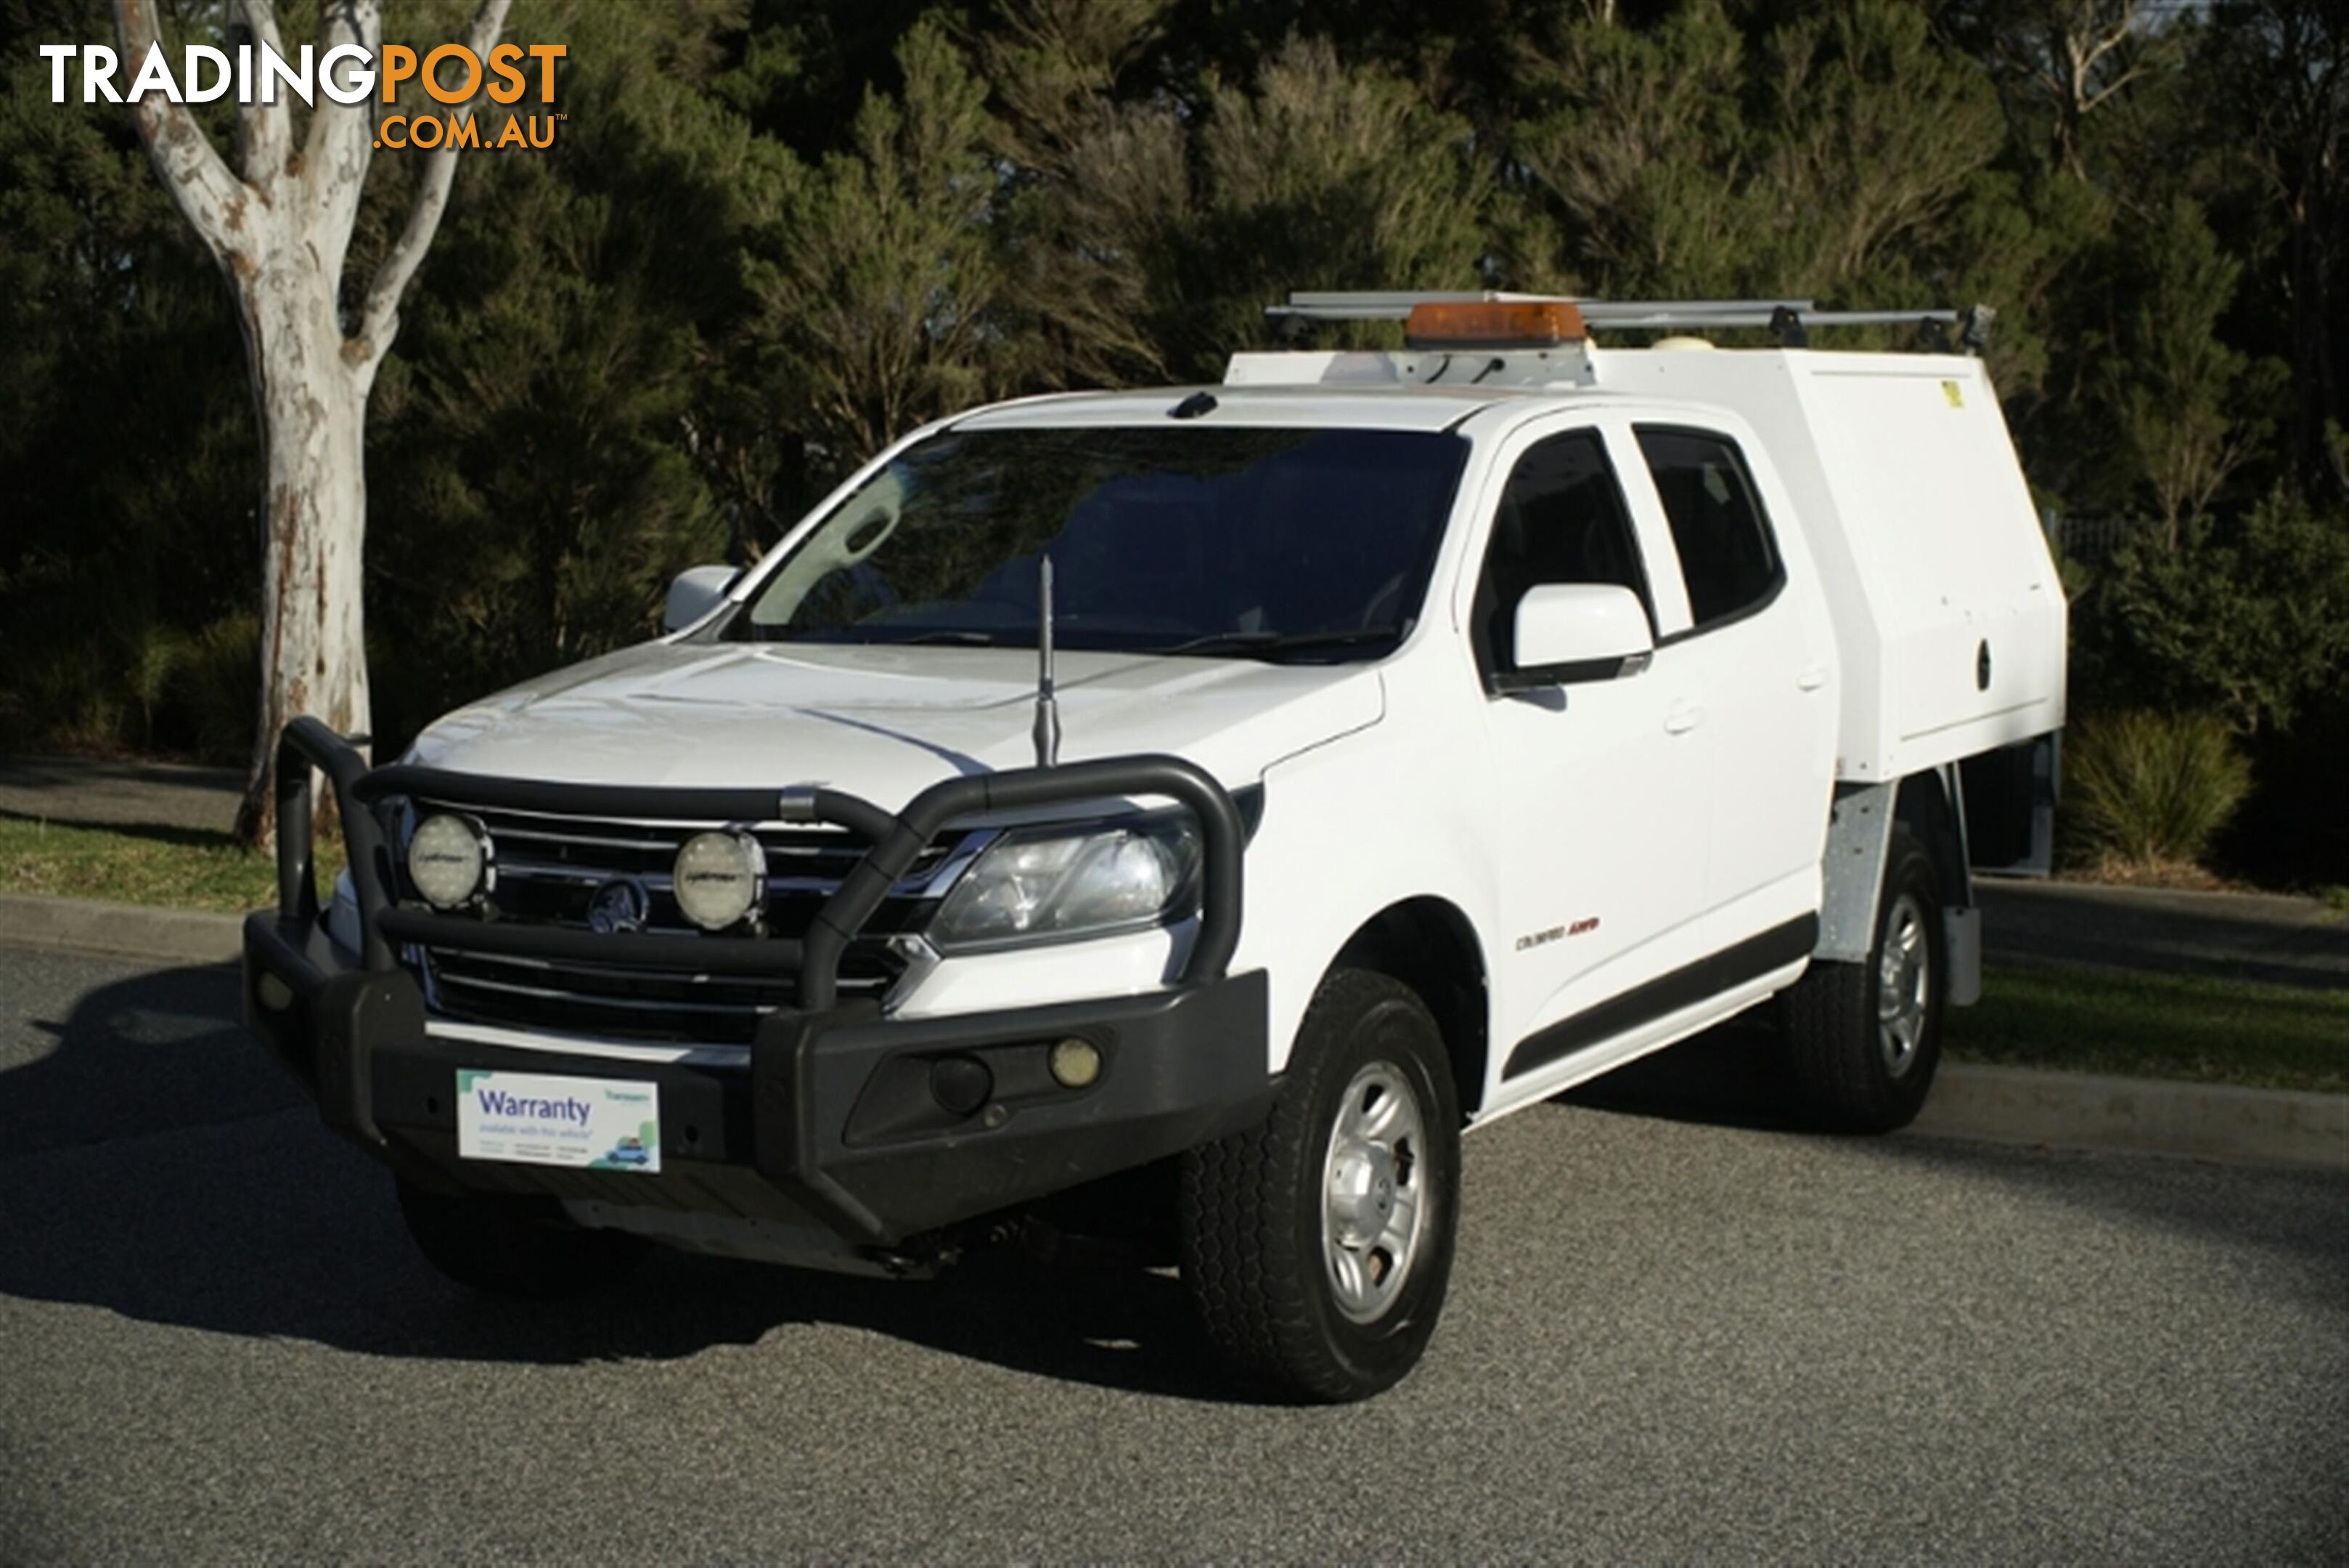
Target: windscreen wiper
1270	644
968	637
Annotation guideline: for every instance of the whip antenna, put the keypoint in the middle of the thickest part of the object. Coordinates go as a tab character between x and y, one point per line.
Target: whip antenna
1048	711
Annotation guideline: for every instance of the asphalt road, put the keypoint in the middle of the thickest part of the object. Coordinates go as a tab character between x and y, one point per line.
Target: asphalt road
1669	1339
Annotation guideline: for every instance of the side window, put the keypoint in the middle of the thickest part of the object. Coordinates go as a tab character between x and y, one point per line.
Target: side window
1728	559
1562	519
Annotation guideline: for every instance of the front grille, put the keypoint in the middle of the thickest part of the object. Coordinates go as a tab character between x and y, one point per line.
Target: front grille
549	869
615	1001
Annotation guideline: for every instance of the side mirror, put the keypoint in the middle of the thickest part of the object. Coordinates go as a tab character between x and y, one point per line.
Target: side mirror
696	591
1569	632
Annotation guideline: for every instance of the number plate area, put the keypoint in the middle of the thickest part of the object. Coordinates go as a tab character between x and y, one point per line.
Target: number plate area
539	1118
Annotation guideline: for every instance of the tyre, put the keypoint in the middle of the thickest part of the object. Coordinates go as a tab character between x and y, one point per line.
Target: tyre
1317	1245
1865	1039
506	1246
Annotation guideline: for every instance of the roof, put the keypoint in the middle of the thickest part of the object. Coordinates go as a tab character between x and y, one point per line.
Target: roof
1403	409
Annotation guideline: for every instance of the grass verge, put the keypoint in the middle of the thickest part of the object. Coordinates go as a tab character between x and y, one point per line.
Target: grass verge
2137	1025
182	868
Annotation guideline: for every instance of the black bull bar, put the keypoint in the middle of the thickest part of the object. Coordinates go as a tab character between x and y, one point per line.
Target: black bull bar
897	840
798	1117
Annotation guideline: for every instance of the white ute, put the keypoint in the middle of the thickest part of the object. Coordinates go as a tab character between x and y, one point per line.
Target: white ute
1202	805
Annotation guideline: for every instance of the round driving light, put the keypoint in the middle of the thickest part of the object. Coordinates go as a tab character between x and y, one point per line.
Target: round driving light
448	858
1075	1063
719	877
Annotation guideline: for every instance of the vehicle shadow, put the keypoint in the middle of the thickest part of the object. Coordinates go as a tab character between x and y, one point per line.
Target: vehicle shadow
1733	1074
155	1163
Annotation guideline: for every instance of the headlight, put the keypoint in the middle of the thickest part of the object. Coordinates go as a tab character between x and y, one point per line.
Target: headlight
1060	881
718	878
447	860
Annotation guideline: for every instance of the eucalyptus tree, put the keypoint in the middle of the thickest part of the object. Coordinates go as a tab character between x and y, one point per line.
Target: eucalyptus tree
278	215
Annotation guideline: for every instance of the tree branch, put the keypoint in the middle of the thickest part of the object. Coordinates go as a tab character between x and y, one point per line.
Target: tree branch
2112	85
337	148
265	132
2087	49
379	318
207	194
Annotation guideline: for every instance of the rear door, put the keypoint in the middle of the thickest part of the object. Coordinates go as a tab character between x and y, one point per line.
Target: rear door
1753	671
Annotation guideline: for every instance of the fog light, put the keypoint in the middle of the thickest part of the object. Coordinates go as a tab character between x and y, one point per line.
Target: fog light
275	994
449	861
1076	1063
960	1085
719	877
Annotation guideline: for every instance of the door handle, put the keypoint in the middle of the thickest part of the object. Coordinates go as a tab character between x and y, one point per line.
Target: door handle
1812	679
1682	718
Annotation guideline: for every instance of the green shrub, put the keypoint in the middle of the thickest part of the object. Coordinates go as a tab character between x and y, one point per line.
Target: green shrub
71	701
151	653
216	683
2149	791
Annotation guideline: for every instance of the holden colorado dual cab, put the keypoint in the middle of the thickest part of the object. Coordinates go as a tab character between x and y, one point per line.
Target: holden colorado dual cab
1237	792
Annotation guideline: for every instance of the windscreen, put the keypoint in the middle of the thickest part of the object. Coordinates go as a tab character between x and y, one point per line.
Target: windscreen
1287	544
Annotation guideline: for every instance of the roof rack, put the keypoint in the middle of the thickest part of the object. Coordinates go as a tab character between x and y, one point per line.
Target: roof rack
1791	319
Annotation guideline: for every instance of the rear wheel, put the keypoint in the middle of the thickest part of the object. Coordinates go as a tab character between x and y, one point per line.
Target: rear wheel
1866	1038
507	1246
1317	1246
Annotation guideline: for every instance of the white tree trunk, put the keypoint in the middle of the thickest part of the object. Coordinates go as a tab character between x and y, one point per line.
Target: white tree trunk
311	400
279	225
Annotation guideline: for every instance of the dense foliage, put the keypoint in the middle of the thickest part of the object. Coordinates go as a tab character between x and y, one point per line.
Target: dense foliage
2149	790
773	234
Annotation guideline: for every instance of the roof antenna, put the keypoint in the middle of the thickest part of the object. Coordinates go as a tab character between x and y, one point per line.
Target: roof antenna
1048	711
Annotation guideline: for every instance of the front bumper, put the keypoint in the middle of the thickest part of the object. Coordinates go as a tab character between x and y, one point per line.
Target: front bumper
831	1120
830	1117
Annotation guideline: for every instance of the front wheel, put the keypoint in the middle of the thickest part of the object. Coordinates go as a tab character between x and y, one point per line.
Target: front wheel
1866	1038
1317	1246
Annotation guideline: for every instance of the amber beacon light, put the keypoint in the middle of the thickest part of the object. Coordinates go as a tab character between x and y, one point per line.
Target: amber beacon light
1494	324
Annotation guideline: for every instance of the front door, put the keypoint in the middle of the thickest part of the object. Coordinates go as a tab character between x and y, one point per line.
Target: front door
1596	797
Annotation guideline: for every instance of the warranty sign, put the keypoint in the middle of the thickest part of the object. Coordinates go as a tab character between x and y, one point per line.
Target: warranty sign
534	1118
